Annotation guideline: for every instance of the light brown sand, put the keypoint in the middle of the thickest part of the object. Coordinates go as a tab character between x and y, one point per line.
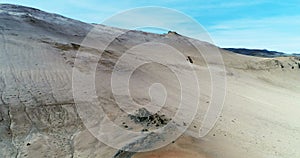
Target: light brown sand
184	147
169	154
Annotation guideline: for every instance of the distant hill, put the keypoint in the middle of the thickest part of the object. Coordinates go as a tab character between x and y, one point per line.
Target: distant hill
260	52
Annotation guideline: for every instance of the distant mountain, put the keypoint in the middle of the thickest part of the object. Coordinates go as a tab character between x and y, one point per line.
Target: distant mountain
260	52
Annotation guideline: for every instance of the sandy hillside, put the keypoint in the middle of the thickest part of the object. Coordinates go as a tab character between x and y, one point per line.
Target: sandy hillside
38	116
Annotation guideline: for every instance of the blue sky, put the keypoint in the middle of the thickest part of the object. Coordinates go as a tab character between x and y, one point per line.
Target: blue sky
262	24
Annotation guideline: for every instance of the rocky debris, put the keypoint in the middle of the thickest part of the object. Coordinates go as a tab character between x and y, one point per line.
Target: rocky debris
141	115
276	63
65	47
148	121
145	118
144	143
123	154
173	33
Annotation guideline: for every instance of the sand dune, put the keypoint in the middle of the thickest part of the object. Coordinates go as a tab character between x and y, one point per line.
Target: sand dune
38	116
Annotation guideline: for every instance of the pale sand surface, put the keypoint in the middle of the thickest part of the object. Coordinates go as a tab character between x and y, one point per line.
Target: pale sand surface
38	116
185	147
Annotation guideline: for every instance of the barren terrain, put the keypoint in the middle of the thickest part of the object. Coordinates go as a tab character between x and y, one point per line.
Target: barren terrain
38	116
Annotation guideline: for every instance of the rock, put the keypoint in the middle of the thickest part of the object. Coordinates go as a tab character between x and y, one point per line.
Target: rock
144	117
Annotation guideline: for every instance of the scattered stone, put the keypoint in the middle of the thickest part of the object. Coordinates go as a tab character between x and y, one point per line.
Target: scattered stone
144	117
172	33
